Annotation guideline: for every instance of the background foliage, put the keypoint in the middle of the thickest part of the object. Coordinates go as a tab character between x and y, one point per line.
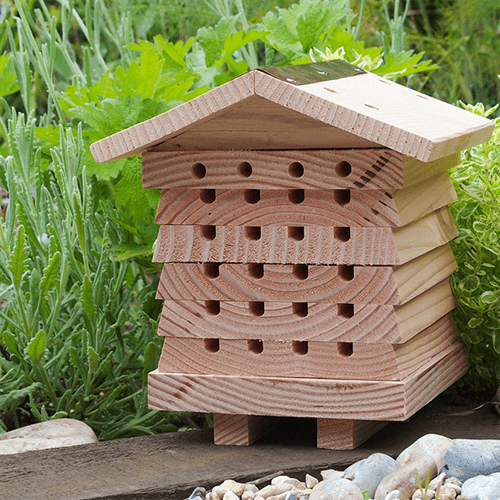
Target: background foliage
78	316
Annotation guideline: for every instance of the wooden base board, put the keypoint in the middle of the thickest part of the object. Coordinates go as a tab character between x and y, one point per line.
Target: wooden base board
331	434
305	244
376	285
302	397
305	207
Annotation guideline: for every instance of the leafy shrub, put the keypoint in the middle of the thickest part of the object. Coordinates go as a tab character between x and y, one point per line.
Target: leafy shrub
476	284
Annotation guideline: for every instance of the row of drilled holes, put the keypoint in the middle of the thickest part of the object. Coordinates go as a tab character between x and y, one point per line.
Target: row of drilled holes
299	347
295	169
256	271
296	196
299	309
254	233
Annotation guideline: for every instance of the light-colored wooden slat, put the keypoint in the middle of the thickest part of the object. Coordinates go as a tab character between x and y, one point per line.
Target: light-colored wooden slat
262	112
328	360
335	434
280	207
304	397
306	283
321	321
375	168
305	244
240	430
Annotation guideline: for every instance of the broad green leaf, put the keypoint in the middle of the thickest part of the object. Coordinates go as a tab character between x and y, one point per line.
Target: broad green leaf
8	79
93	359
150	361
36	347
475	322
236	41
129	251
19	258
10	341
212	39
490	297
469	283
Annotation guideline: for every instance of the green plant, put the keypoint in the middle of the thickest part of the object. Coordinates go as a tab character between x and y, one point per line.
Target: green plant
476	284
77	328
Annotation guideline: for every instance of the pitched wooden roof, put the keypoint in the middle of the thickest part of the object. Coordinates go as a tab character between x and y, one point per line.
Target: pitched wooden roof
315	106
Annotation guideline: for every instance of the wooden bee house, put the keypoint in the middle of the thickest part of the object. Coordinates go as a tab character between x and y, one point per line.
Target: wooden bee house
305	233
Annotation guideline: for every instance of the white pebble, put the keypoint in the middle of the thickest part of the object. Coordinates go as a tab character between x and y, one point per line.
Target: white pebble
248	495
229	485
311	481
458	489
393	495
332	474
229	495
454	480
275	489
288	480
428	495
437	480
251	487
447	492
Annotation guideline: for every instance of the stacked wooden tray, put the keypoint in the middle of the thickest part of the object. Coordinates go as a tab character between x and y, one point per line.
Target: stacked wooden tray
329	301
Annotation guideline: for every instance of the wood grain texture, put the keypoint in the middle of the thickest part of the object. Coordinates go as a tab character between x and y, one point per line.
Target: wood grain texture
320	321
304	397
280	207
374	168
335	434
306	283
305	244
328	360
240	430
257	111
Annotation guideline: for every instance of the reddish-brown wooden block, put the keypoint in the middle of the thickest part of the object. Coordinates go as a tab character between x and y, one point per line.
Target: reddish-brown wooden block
320	321
327	360
305	244
377	285
335	434
308	397
295	207
240	430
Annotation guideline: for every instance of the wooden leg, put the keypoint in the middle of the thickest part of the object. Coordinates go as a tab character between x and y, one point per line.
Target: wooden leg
239	430
334	434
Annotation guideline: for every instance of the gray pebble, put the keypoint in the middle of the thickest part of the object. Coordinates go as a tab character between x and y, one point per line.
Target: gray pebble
482	488
198	493
468	458
336	489
367	474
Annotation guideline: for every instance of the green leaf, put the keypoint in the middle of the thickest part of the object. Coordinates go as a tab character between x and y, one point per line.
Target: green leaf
212	39
51	274
475	322
36	347
86	298
10	341
129	251
93	359
19	257
469	283
490	297
151	357
8	83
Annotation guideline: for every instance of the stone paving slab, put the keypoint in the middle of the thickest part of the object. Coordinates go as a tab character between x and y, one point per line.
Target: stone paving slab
169	466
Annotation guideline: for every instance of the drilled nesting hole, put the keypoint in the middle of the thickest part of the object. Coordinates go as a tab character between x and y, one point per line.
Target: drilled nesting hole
245	169
256	271
207	195
342	233
212	345
256	308
296	233
346	272
344	349
342	196
252	196
300	271
300	309
198	170
253	232
343	169
212	307
208	232
296	196
296	169
255	346
299	347
211	269
345	311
